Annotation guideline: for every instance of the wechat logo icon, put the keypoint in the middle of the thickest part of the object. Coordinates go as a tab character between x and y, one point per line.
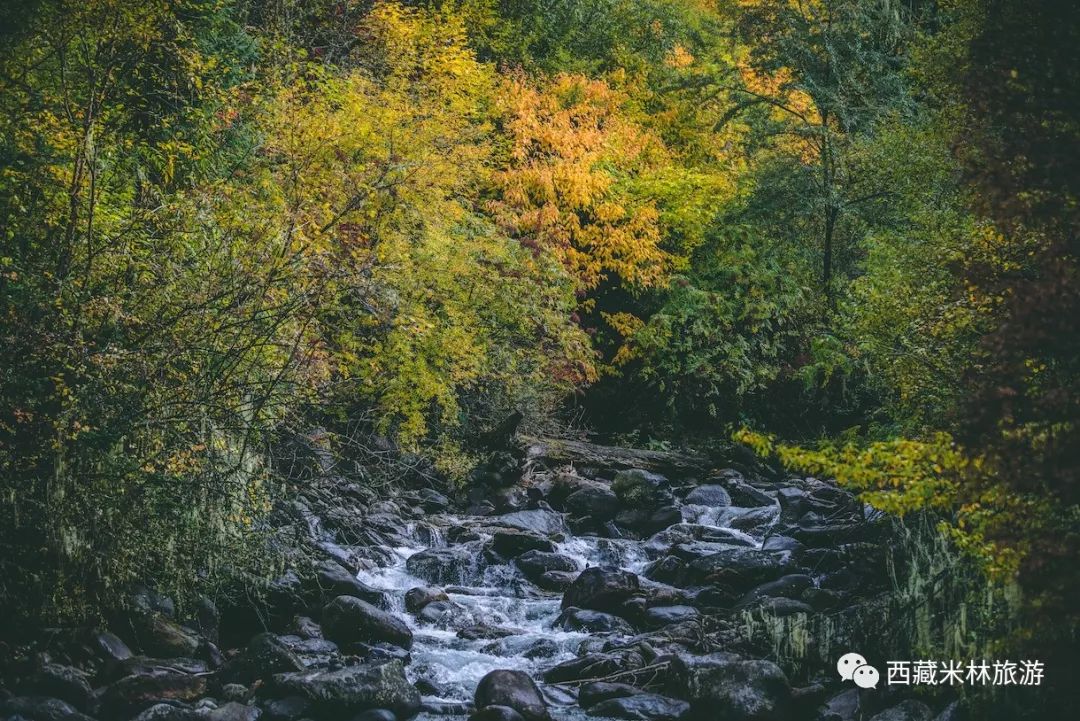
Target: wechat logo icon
853	667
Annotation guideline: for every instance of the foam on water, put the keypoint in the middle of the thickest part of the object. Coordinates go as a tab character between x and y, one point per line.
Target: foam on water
496	595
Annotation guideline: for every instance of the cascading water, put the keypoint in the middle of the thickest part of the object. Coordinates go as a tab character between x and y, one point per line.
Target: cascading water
448	667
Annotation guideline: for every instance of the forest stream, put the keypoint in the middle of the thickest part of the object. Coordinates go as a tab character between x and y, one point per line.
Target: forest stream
573	581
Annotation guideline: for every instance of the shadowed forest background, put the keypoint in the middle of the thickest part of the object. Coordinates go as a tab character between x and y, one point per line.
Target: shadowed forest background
843	233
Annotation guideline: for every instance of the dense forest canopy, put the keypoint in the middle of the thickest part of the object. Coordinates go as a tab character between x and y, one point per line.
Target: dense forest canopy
844	231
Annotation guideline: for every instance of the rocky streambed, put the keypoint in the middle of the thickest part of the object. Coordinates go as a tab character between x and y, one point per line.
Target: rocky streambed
567	586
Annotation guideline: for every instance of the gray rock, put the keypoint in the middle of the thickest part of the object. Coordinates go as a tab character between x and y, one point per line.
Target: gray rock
161	636
746	495
741	568
513	689
496	713
233	711
511	544
593	693
41	708
486	631
708	495
780	606
265	655
460	564
347	619
583	619
420	596
844	706
601	589
782	543
595	665
441	613
909	710
659	616
65	683
170	712
543	522
334	581
432	501
722	685
290	708
792	585
638	488
642	707
556	580
354	689
534	564
595	501
646	522
111	647
305	627
139	691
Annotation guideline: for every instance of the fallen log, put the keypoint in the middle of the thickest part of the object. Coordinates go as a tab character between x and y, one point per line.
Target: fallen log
554	452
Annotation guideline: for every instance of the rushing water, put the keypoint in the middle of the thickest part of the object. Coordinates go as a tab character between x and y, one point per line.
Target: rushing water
448	668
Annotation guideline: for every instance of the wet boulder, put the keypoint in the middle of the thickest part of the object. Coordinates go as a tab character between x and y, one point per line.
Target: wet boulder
512	689
638	488
780	606
161	636
347	619
782	543
150	685
487	632
540	521
601	589
442	613
581	619
310	651
264	656
333	580
740	569
755	521
496	713
40	708
513	543
65	683
792	586
746	495
669	569
642	707
535	564
110	647
556	580
843	706
660	616
712	495
456	564
595	666
418	597
680	533
723	685
234	711
595	692
909	710
354	689
595	501
290	708
646	522
432	501
173	712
